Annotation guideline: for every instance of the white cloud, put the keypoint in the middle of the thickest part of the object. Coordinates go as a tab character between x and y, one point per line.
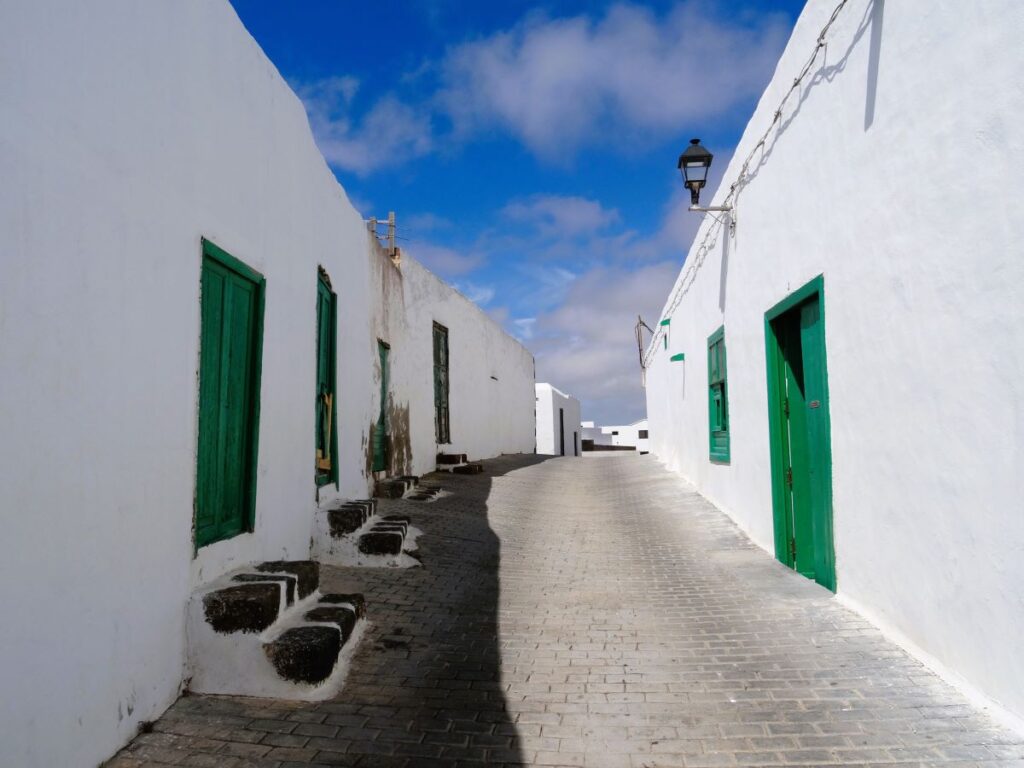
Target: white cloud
480	295
586	346
524	327
559	84
390	133
561	217
446	262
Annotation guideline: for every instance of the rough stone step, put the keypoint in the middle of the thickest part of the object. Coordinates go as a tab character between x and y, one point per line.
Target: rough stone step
473	468
381	543
287	579
306	572
451	458
389	489
346	519
244	608
305	654
356	600
342	616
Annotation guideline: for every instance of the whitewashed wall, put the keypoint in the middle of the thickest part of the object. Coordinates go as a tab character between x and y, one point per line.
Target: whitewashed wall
549	401
896	176
491	374
128	131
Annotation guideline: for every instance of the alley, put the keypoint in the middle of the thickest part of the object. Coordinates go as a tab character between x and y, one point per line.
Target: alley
593	612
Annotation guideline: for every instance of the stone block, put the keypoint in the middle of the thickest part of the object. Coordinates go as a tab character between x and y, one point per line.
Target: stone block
305	654
280	578
340	615
306	572
356	600
346	519
381	543
245	608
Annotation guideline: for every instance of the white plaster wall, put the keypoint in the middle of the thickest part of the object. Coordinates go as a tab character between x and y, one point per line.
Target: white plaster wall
128	131
491	374
549	401
897	177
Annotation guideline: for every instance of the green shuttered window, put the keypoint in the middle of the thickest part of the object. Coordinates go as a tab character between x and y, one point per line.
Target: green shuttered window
230	359
718	401
441	422
326	377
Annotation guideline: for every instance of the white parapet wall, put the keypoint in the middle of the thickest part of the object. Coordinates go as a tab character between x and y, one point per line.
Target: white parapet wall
129	132
559	430
894	175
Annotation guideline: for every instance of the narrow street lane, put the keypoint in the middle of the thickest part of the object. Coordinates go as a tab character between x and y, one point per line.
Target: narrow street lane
594	612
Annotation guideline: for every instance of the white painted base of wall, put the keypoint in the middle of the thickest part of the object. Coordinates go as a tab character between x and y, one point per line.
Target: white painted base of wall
344	550
237	664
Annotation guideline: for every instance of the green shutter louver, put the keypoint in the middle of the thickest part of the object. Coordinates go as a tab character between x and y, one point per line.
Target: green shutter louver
718	402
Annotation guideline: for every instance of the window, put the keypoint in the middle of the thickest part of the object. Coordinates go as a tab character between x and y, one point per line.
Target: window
441	421
615	432
718	402
326	374
642	434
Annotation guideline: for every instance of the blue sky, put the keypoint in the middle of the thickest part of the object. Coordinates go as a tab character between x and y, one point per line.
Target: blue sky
528	149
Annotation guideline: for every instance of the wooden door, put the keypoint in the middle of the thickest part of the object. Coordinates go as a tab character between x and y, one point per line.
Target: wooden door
800	441
231	339
380	432
326	466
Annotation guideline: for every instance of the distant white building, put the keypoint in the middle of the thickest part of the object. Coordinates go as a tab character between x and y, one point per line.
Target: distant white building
842	371
558	422
622	437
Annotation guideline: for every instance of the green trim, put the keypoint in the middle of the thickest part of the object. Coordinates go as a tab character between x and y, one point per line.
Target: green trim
214	251
678	358
773	355
230	263
718	438
666	321
331	476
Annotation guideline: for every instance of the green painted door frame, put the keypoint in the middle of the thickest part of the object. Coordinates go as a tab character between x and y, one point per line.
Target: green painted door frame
442	426
326	466
800	433
380	432
230	361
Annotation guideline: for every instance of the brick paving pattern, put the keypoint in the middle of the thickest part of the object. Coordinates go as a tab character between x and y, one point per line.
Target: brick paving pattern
593	612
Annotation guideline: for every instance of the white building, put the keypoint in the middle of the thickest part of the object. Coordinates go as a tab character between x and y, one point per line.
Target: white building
866	426
167	218
628	436
558	422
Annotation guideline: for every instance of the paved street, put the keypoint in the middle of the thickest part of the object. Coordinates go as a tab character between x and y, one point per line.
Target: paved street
593	612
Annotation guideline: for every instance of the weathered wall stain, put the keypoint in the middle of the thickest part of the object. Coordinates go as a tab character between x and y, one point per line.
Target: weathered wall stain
398	442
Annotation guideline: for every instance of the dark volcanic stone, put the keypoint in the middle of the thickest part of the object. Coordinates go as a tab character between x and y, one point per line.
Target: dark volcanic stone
397	519
389	489
356	600
370	504
381	543
345	520
400	527
245	608
281	578
306	571
343	616
305	654
469	469
451	458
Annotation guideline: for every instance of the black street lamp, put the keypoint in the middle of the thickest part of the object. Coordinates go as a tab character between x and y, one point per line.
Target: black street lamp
693	165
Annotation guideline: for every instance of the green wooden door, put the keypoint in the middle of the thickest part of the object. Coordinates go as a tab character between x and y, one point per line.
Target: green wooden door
326	402
230	351
380	432
800	440
441	422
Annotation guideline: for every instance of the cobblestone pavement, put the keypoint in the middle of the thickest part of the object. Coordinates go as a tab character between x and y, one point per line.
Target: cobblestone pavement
594	612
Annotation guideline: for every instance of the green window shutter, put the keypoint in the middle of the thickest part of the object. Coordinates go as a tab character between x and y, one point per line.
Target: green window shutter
326	468
441	385
230	359
718	401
